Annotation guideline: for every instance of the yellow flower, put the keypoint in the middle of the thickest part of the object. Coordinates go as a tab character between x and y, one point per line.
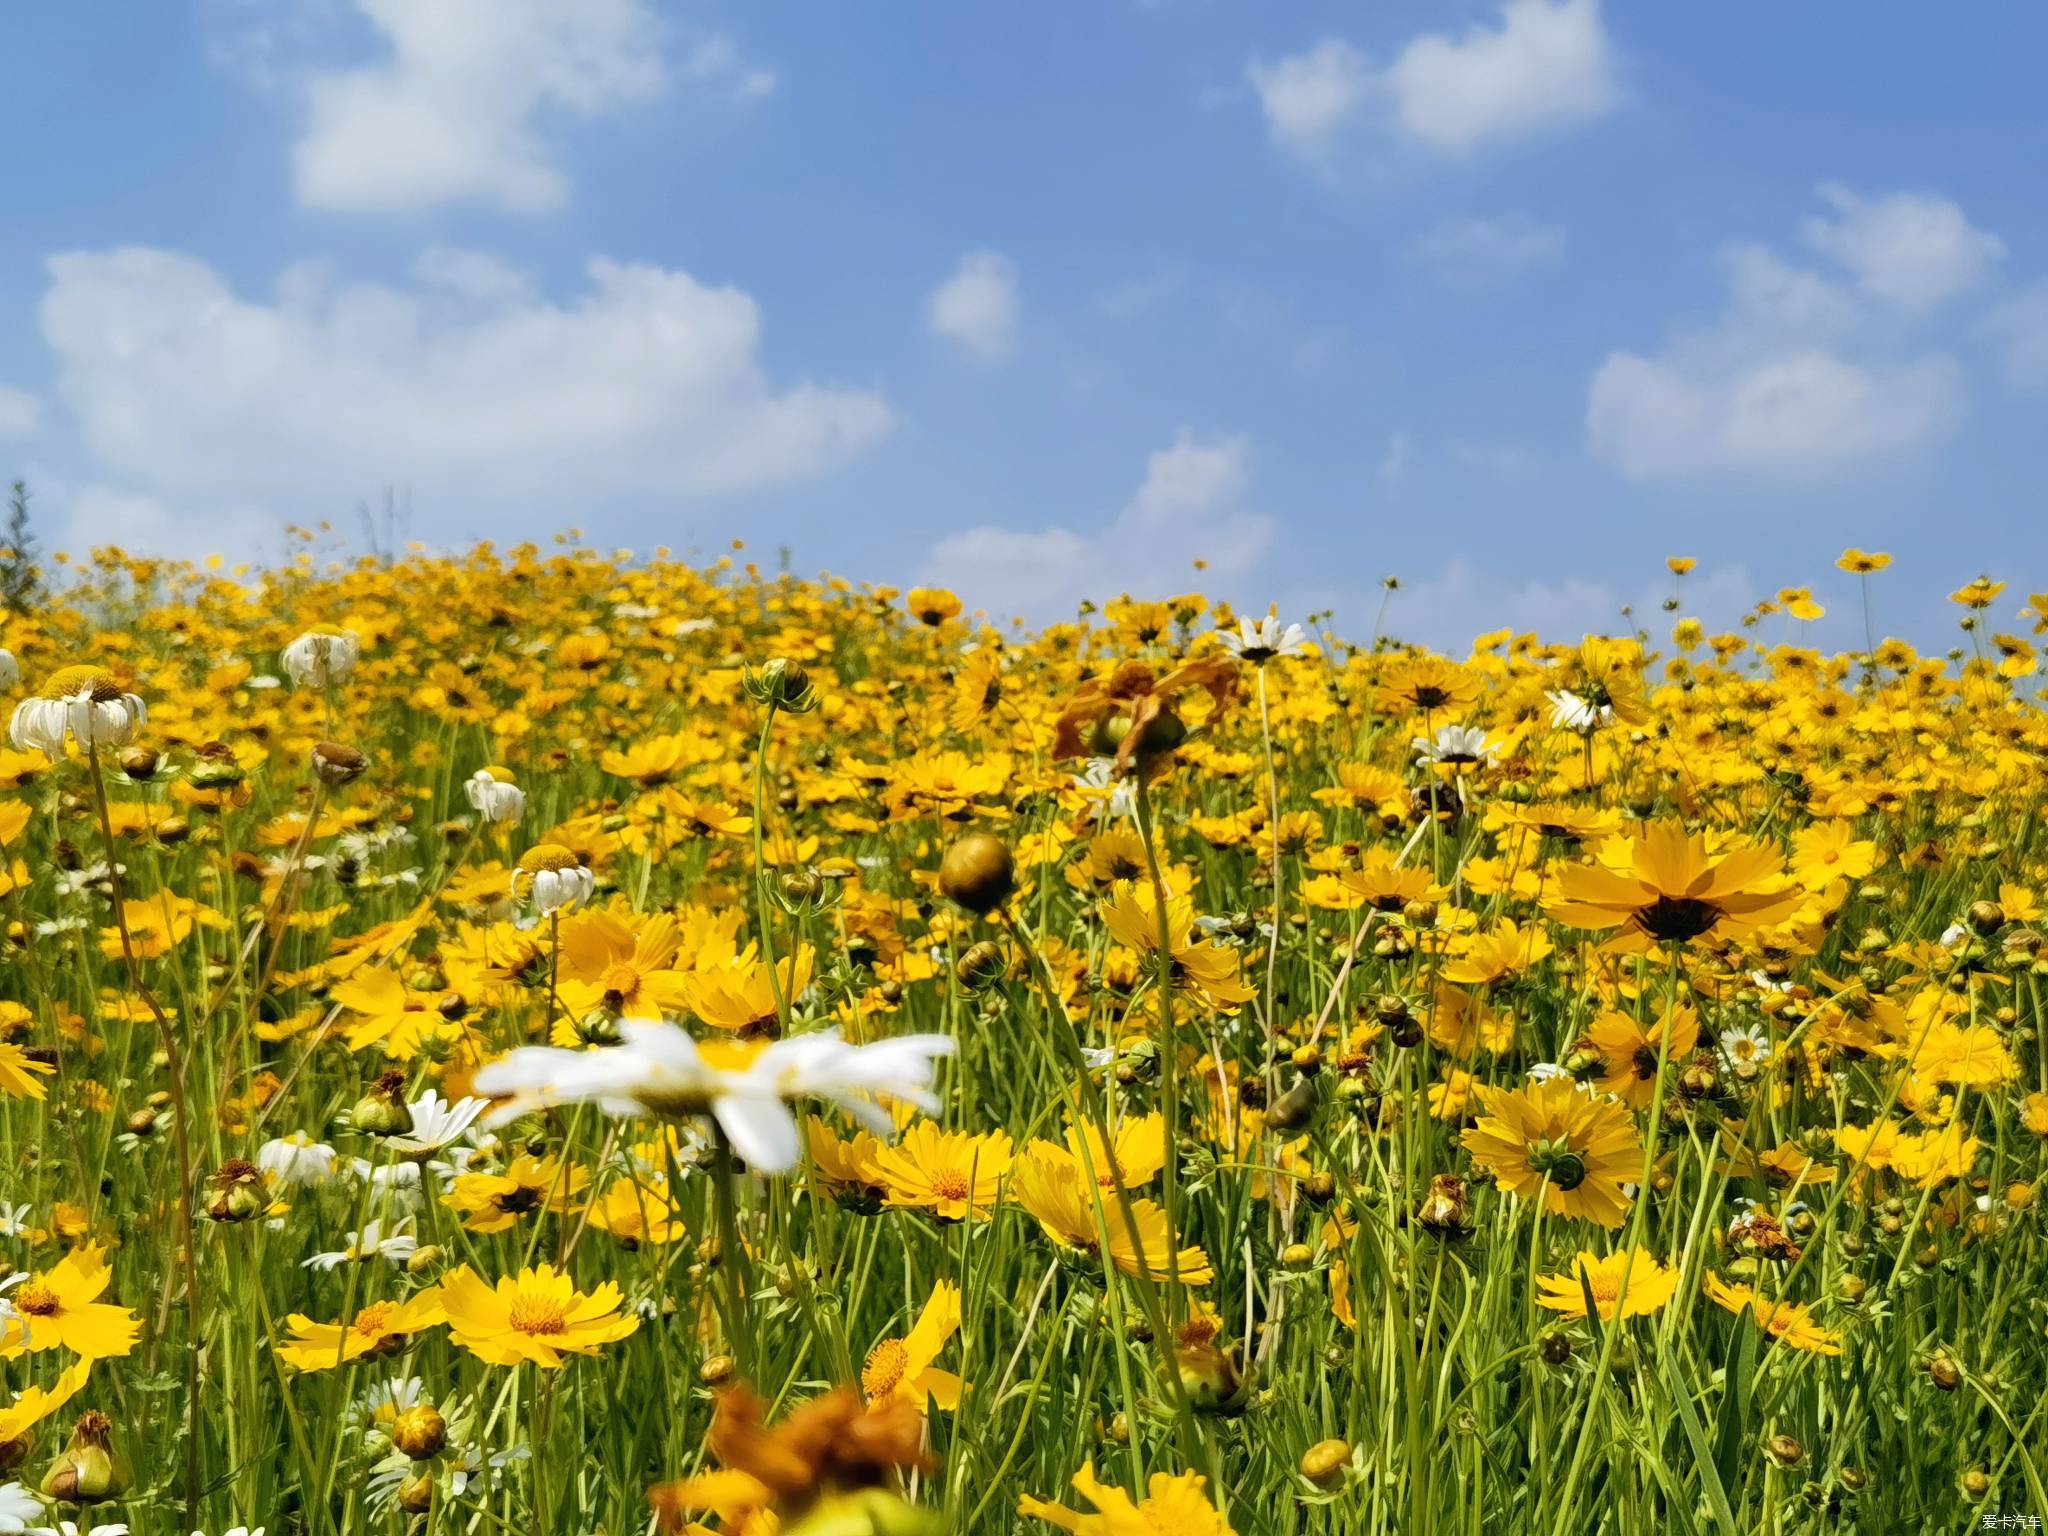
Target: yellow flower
932	605
902	1368
539	1316
1667	887
392	1017
1207	970
379	1328
494	1202
1578	1149
1174	1505
609	962
1628	1051
949	1173
1067	1208
1786	1322
1828	851
16	1067
636	1211
34	1404
738	994
1649	1283
1503	950
60	1309
1137	1153
1967	1056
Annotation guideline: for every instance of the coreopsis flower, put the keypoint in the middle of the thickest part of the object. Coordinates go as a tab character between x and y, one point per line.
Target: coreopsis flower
1066	1208
322	657
84	705
1208	970
1577	1148
496	796
60	1308
827	1467
1174	1505
931	605
1858	563
1668	887
1504	950
1627	1051
31	1405
657	1069
552	878
1259	641
1134	1159
19	1070
494	1202
1649	1284
1128	716
1784	1322
537	1315
952	1174
637	1210
378	1327
902	1369
1415	684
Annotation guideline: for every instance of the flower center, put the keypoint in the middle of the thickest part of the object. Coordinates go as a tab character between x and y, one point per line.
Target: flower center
539	1315
620	981
95	683
950	1184
1677	918
546	856
36	1299
885	1367
370	1321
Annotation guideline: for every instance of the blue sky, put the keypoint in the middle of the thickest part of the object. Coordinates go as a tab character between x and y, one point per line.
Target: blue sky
1510	300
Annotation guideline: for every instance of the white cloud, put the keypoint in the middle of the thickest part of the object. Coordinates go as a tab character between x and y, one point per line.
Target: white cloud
1542	66
1800	375
1480	253
716	60
1191	505
1547	65
1307	97
978	305
1796	414
20	412
1911	249
448	115
1448	610
482	397
1394	462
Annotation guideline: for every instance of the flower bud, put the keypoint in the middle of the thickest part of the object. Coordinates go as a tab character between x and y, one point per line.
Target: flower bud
420	1431
1987	917
977	872
1324	1462
416	1496
1210	1379
1294	1108
336	764
1785	1451
383	1111
981	966
236	1192
781	684
90	1470
139	762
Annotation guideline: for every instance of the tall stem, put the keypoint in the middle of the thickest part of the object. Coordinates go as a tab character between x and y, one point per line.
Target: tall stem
181	1139
1169	1049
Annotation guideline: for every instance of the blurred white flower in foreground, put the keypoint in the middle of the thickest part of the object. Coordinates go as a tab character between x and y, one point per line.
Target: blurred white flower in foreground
657	1069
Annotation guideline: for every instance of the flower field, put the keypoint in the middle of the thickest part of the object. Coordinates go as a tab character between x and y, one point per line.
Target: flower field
529	1041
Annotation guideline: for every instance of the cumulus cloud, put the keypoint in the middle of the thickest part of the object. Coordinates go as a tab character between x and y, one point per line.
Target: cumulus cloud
1539	67
1307	97
448	114
1911	249
1482	253
465	385
978	306
20	412
1191	504
1803	373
